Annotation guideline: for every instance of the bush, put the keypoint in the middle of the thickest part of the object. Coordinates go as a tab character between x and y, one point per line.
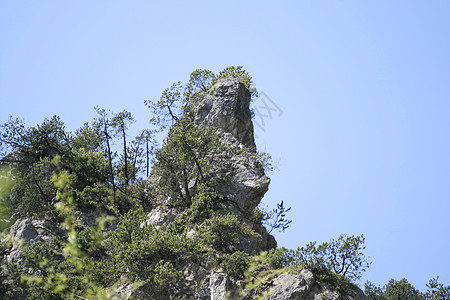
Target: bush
204	204
222	232
33	191
280	257
343	256
234	264
138	248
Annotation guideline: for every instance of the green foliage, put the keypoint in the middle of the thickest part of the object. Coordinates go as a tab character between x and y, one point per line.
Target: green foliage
149	254
234	264
188	155
164	277
222	232
343	256
279	258
240	74
33	192
372	291
13	136
437	290
47	139
47	265
169	108
265	267
402	289
94	196
121	122
204	204
90	167
199	80
87	137
65	275
276	219
97	171
6	184
267	262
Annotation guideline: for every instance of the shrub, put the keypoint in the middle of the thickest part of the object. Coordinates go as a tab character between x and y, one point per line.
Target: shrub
234	264
343	256
222	232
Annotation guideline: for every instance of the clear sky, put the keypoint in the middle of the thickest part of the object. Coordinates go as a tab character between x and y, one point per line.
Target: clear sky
362	144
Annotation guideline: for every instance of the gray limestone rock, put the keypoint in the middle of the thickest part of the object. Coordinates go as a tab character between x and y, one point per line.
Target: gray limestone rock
301	286
218	284
25	232
222	287
226	106
291	286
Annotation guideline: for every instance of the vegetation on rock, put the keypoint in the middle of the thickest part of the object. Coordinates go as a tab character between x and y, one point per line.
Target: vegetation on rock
99	198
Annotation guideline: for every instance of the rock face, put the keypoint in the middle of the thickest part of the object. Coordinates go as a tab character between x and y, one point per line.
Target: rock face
291	286
25	232
302	285
226	106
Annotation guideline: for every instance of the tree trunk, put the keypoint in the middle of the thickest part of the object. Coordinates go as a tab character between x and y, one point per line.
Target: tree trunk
125	158
108	148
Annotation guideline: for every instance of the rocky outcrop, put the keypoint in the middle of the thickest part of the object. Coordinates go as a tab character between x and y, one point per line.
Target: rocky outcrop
25	232
302	285
226	106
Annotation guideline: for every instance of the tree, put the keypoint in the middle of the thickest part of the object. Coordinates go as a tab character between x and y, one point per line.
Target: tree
6	184
46	140
147	136
437	290
13	136
120	121
222	232
199	80
393	290
402	289
169	108
343	256
187	158
235	264
66	274
87	137
104	124
276	219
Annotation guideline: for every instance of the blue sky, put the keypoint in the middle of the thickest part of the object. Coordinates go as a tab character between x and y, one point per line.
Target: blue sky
362	145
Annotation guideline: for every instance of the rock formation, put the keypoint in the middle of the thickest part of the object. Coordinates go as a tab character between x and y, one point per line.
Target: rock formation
224	106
